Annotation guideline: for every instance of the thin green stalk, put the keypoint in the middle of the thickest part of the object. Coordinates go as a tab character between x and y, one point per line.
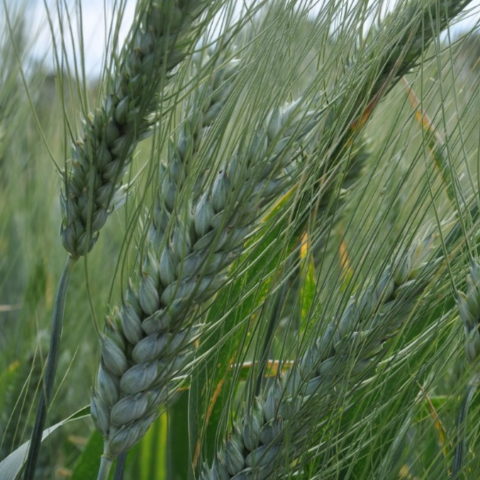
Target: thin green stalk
461	430
51	368
105	467
120	467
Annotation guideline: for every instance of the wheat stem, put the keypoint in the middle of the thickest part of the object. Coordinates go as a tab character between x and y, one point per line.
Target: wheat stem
120	466
105	467
50	370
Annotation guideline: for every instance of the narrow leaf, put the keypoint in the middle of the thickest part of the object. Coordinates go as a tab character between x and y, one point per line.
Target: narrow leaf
11	466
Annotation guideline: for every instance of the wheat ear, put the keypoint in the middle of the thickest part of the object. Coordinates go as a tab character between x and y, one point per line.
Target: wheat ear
160	40
149	329
434	16
405	32
147	341
348	348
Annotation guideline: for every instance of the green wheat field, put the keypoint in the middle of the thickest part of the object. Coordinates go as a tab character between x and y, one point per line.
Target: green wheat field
246	246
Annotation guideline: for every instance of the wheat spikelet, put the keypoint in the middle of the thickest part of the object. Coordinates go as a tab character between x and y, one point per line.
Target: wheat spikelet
349	347
159	42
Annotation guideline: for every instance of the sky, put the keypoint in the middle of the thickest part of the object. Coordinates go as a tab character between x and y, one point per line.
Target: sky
94	28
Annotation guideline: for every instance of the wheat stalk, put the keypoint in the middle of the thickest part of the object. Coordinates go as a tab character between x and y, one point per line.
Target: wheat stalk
349	348
182	271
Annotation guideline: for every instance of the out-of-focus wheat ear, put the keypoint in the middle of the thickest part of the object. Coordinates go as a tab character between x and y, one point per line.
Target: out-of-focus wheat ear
404	34
162	36
468	305
469	310
349	347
